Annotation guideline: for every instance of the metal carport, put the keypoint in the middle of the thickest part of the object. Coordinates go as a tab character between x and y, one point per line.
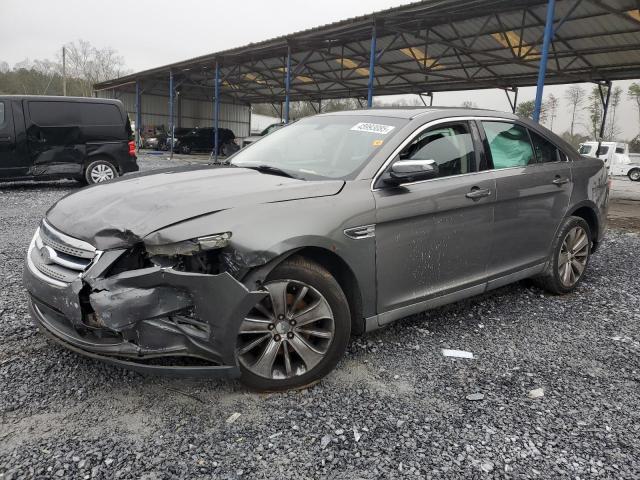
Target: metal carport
423	47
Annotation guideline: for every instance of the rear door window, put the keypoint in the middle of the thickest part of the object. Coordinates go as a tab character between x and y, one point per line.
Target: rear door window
509	145
545	150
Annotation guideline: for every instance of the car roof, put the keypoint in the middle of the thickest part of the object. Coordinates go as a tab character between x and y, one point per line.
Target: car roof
410	113
58	98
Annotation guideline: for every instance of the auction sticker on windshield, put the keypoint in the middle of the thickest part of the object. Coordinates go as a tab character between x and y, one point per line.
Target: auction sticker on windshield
372	128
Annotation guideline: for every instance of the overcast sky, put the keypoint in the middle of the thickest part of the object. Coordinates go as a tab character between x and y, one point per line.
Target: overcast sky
148	34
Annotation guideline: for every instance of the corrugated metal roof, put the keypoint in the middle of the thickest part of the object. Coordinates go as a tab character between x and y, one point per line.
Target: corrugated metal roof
429	46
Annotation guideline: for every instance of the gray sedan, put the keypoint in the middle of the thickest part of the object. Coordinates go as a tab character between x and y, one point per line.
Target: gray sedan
341	223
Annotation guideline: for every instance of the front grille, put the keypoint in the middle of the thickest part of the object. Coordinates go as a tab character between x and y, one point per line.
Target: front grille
58	257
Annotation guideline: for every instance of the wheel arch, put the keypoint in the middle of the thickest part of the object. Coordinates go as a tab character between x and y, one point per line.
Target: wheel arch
588	213
334	264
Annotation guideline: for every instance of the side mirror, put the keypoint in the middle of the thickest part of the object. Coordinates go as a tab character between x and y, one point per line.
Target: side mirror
407	171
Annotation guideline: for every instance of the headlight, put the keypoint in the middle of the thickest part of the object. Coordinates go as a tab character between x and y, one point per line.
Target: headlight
193	246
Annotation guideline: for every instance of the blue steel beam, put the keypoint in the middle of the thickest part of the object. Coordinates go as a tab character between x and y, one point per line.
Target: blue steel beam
542	72
287	86
216	113
372	64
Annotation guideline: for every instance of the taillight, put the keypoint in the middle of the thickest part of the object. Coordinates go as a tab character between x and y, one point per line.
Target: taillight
132	148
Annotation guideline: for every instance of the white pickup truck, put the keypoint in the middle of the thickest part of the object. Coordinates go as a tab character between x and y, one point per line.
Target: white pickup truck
616	158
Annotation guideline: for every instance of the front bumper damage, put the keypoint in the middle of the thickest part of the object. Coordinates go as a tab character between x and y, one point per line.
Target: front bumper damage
189	321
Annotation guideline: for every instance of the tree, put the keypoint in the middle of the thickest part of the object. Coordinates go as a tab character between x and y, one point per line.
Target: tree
616	98
634	94
86	65
552	104
575	96
91	65
576	139
525	109
469	104
594	109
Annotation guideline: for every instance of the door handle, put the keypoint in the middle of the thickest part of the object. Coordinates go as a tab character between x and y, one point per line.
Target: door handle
478	193
5	139
560	181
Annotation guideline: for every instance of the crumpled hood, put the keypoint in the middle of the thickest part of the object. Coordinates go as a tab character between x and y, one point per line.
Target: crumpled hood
122	212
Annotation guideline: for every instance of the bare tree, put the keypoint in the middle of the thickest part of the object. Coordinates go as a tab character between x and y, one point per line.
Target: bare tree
575	96
92	65
616	97
552	105
594	109
634	94
469	104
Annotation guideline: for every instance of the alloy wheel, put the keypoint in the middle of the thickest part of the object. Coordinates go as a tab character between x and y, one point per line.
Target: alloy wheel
573	256
635	175
288	333
102	173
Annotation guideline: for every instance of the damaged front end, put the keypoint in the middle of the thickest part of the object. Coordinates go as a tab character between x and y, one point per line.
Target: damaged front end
173	308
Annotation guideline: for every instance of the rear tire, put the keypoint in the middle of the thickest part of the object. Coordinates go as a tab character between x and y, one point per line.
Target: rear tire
634	175
100	171
569	259
291	339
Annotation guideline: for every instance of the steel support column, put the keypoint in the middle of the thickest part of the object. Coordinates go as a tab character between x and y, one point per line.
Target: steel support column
216	113
372	64
171	129
138	114
542	72
287	86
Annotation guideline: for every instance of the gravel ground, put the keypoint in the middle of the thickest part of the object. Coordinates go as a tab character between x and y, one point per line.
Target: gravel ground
395	407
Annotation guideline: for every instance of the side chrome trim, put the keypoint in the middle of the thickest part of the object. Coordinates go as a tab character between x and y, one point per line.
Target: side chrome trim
421	129
358	233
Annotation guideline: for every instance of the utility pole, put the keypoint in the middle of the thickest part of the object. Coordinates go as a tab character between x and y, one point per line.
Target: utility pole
64	72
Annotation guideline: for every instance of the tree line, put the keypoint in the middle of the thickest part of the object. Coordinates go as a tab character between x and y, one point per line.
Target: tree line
586	113
85	66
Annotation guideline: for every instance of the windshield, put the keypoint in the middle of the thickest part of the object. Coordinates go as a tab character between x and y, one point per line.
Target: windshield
333	146
585	149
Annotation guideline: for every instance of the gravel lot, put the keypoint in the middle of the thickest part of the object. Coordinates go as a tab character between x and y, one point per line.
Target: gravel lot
395	407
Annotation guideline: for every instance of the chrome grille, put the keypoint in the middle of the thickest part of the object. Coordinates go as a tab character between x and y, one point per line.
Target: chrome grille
58	258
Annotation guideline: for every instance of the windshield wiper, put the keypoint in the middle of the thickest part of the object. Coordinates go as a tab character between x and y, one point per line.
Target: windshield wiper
271	170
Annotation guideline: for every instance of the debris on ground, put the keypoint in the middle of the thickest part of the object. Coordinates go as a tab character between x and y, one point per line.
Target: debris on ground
233	418
474	397
456	353
536	393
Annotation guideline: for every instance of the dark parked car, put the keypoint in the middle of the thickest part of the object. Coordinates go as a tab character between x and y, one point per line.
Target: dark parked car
161	140
86	139
254	138
338	224
202	140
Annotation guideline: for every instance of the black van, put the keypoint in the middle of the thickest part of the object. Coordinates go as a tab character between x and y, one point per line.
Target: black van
86	139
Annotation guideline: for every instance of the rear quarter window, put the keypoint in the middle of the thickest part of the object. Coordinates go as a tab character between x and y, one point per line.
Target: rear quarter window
54	114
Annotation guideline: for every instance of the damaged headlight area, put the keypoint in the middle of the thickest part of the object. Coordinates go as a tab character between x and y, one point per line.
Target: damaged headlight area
193	246
205	254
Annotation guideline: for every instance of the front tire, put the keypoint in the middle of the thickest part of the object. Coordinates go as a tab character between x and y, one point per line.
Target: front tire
569	257
634	175
100	171
298	333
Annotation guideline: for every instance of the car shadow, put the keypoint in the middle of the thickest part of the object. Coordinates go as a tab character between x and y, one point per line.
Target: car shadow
31	185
